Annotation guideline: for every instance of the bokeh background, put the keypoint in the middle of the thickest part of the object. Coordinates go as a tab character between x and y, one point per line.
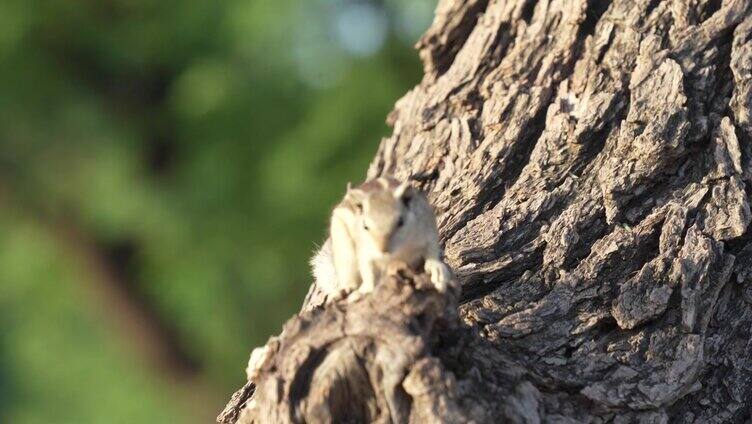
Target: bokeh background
166	170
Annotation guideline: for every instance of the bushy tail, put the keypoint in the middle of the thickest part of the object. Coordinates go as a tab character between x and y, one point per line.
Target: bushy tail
322	266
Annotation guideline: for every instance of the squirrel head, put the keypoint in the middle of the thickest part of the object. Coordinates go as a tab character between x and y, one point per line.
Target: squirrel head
384	216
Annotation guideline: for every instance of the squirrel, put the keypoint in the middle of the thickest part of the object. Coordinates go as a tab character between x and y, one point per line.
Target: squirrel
378	224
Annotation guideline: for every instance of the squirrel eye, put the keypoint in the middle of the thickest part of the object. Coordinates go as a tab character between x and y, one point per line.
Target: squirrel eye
406	200
359	207
400	222
365	226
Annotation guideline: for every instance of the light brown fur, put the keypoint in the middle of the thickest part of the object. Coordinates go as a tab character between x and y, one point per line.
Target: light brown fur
378	224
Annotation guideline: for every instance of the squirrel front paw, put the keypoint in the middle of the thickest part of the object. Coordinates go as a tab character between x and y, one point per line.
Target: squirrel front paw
367	286
439	273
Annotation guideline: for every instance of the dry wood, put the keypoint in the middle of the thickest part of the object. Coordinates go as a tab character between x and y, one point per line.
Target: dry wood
590	163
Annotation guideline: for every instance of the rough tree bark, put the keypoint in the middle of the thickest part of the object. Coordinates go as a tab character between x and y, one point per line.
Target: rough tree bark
590	162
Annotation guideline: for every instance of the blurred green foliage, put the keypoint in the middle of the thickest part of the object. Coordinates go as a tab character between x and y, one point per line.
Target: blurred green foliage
193	149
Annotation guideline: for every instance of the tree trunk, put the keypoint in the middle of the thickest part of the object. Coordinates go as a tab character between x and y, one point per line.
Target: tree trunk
590	164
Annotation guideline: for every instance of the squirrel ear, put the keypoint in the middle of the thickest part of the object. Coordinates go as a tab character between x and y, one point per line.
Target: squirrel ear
349	186
355	195
402	190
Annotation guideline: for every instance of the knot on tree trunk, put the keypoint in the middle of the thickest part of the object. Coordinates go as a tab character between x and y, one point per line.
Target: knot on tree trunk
373	359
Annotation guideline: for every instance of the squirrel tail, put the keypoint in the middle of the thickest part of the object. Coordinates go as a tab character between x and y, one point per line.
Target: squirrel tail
322	265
